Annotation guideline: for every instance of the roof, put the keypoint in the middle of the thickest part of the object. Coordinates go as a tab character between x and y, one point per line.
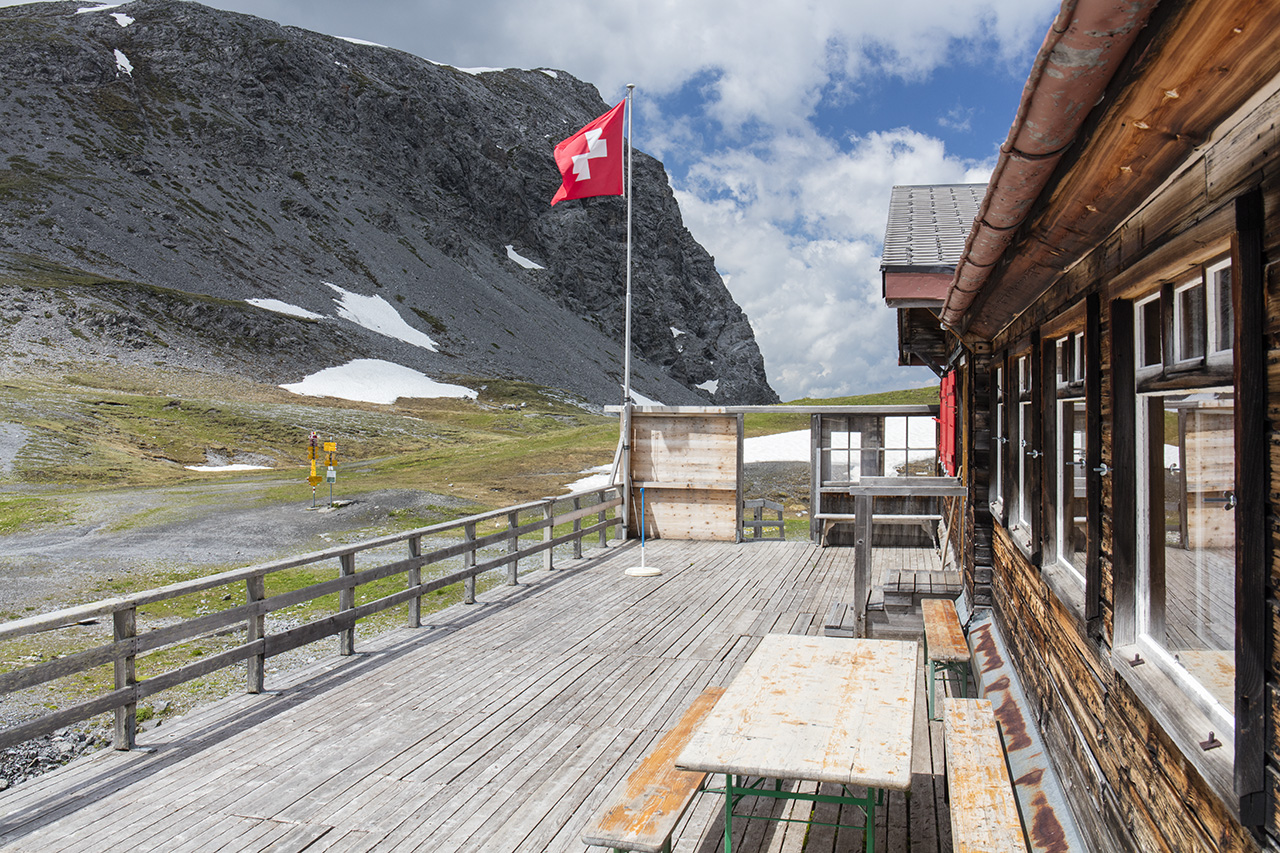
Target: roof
928	225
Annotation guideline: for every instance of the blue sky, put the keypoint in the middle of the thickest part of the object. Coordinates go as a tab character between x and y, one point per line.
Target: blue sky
783	127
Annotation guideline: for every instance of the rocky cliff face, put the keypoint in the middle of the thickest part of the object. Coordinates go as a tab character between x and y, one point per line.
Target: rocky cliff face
164	162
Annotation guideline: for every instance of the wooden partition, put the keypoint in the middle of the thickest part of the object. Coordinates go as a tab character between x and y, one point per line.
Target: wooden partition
689	465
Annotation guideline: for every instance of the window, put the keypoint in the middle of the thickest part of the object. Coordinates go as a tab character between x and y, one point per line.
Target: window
1185	434
1186	549
1022	440
1147	334
1065	565
997	449
1222	320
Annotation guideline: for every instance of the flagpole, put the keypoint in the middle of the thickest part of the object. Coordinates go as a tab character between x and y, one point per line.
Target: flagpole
626	349
642	570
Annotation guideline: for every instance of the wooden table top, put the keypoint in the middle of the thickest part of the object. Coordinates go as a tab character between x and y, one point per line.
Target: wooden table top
824	709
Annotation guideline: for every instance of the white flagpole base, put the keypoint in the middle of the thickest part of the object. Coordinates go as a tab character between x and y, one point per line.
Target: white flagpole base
642	571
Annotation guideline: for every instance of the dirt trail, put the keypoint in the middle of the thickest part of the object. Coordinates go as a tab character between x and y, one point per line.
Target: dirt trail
145	532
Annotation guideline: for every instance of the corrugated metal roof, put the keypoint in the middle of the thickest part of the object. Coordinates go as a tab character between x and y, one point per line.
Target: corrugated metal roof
928	224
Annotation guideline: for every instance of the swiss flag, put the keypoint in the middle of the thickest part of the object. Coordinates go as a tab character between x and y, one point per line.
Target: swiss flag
590	161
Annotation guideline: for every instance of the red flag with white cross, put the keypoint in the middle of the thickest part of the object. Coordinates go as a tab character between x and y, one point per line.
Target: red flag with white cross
590	161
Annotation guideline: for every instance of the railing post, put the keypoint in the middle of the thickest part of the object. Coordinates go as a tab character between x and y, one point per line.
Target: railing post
513	547
862	559
125	623
759	517
577	530
347	601
468	561
601	518
548	533
415	578
255	631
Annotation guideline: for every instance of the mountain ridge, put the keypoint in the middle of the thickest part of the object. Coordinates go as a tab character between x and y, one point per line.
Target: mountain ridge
167	162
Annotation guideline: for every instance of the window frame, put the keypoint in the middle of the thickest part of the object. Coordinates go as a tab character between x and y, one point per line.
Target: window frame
995	488
1069	369
1235	768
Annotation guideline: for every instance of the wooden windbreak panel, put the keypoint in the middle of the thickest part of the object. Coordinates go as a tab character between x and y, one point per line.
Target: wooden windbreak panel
689	467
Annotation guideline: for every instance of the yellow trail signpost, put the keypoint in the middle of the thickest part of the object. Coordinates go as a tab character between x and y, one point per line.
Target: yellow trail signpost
330	451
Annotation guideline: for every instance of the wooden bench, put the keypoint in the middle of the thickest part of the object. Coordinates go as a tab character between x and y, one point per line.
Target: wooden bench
985	816
759	522
831	519
642	813
945	647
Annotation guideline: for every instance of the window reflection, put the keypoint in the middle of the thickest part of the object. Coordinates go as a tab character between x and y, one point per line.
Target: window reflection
1190	488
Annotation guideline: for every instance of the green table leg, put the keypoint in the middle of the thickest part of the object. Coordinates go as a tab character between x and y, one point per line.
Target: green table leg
728	813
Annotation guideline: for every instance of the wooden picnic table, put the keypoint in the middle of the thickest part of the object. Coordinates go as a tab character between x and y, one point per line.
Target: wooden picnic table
820	709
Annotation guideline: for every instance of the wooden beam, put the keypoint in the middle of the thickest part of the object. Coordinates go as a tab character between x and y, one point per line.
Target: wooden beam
1252	486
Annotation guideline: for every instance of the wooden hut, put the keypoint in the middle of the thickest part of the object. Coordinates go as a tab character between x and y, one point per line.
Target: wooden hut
1110	330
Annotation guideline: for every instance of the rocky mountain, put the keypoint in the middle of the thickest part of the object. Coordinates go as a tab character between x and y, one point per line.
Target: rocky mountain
164	163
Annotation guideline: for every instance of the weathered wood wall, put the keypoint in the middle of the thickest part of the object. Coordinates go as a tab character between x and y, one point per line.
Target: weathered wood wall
1135	787
690	469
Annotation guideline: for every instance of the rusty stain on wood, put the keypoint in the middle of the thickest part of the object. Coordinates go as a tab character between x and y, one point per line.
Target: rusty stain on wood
644	813
984	814
942	627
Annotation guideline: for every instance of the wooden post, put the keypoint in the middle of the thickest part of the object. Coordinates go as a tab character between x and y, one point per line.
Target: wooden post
468	561
577	530
347	601
256	630
759	517
817	469
415	578
549	513
126	628
862	560
513	547
600	519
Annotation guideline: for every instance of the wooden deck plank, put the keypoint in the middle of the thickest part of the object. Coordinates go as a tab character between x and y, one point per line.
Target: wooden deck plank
500	725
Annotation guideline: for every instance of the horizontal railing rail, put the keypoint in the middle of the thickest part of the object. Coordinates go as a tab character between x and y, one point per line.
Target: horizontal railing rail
127	644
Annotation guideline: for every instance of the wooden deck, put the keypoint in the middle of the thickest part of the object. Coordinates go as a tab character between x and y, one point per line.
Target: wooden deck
497	727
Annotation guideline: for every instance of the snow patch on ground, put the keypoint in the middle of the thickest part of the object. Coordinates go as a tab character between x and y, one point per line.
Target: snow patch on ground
675	333
101	7
123	63
780	447
547	71
711	386
228	467
285	308
379	315
122	19
523	261
370	380
593	478
642	400
363	42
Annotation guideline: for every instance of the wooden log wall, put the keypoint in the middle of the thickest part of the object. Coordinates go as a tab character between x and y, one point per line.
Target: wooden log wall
690	467
1135	787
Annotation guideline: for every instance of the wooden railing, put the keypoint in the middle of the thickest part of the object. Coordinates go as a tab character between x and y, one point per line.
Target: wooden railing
127	643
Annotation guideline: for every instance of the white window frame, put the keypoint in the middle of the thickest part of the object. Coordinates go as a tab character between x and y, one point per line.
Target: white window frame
996	487
1155	651
1144	368
1220	342
1023	442
1180	359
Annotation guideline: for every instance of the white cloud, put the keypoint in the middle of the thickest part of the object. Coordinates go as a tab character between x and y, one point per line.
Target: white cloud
798	239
